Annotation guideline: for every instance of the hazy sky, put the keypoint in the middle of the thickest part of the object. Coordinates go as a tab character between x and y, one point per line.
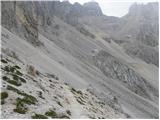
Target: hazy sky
114	7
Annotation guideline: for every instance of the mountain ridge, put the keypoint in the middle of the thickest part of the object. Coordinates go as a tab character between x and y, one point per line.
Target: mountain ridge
64	51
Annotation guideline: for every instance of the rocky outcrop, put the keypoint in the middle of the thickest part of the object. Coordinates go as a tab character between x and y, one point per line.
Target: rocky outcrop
146	53
92	8
116	70
21	18
141	24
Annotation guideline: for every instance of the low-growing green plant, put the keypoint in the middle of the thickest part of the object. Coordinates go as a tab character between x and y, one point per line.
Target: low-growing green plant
12	69
64	117
73	90
29	97
79	92
14	82
13	89
68	112
27	100
5	78
60	104
16	66
20	107
22	79
21	102
4	95
19	73
40	95
3	61
51	113
6	68
2	101
15	77
20	110
80	101
39	116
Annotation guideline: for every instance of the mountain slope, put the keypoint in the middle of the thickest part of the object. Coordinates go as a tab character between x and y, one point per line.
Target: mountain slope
84	69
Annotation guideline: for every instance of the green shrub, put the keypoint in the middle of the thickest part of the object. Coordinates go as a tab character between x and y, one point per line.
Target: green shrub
6	68
28	97
21	104
4	95
13	82
68	112
40	95
20	107
73	90
79	92
20	110
9	69
5	78
64	117
12	69
18	73
16	66
80	101
2	101
51	113
3	61
22	79
39	116
59	104
27	100
15	77
13	89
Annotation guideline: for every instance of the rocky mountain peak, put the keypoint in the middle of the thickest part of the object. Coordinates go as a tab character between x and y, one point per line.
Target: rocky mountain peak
145	10
93	8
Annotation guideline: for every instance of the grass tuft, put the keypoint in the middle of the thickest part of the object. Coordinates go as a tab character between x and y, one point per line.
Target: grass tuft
5	78
17	67
4	95
68	112
18	73
3	61
20	107
13	82
22	79
51	113
39	116
60	104
28	97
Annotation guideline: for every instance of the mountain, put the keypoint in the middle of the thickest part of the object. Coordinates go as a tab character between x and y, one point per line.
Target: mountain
71	61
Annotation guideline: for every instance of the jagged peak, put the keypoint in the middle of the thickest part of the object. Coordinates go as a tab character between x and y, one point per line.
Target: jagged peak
140	7
93	8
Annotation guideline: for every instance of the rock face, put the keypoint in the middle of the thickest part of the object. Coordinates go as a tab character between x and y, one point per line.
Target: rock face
92	8
114	69
144	24
146	53
139	28
78	62
21	20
